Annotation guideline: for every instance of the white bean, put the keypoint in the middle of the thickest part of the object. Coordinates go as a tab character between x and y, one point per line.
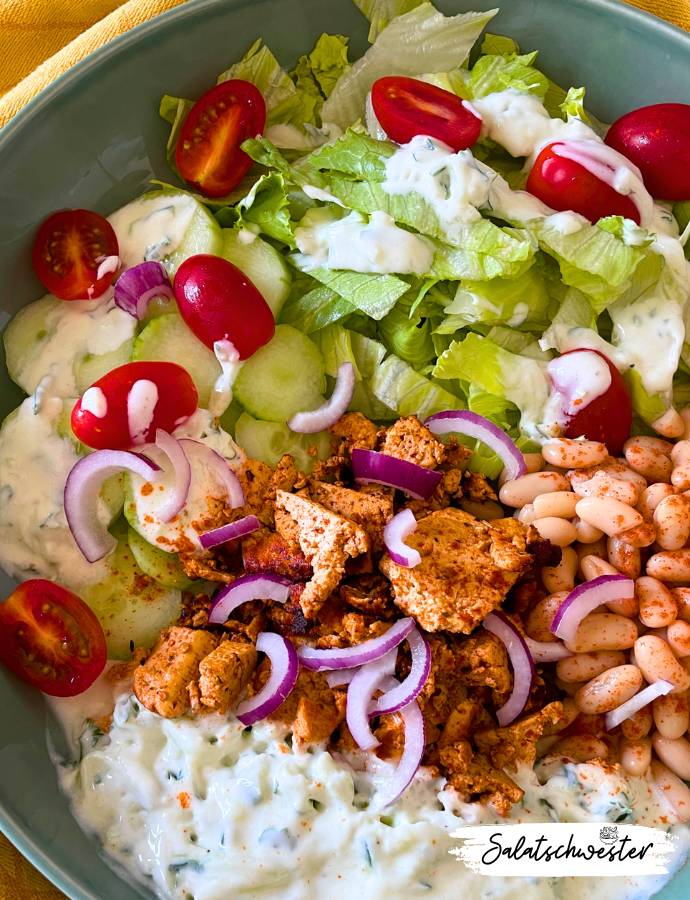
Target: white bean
635	756
611	516
616	468
657	606
603	631
639	724
651	497
526	514
670	425
649	457
603	485
670	565
685	416
682	597
581	748
562	576
524	490
570	713
680	453
648	443
672	521
586	533
624	557
560	532
558	503
593	567
609	690
486	510
657	663
673	753
671	790
569	454
680	477
585	666
533	462
678	637
642	535
671	715
539	619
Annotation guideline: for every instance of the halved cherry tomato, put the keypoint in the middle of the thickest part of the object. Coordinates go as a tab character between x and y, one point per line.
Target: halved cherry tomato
177	400
208	151
608	417
406	107
50	638
218	302
565	184
657	139
68	251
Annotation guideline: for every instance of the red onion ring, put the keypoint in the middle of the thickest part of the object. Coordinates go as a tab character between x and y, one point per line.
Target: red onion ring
284	672
244	589
359	696
634	704
183	476
83	487
230	532
366	652
544	652
523	667
409	689
415	744
141	284
400	527
586	597
319	419
372	467
219	466
338	677
462	421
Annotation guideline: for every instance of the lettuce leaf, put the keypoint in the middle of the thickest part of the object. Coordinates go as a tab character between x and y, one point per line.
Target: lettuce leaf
374	295
407	334
319	71
369	354
262	151
380	12
315	309
502	72
499	44
266	206
402	389
335	342
174	110
354	154
648	408
517	342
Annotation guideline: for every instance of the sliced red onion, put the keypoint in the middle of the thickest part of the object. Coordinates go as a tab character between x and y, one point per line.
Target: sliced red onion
328	414
183	476
523	667
339	677
83	487
230	532
411	687
400	527
360	654
244	589
284	672
586	597
371	467
415	744
219	466
364	684
634	704
462	421
544	652
141	284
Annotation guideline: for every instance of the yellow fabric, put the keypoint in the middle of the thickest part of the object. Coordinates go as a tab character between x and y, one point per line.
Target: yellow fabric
39	40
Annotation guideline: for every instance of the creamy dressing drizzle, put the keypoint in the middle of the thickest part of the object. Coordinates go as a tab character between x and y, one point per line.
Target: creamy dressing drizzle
141	408
94	401
152	227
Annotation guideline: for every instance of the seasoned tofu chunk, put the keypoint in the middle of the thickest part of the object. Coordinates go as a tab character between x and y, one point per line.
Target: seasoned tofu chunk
312	711
161	683
371	512
225	673
517	743
408	439
265	551
355	431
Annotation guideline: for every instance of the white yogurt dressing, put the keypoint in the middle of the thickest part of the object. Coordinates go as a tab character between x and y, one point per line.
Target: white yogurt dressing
152	227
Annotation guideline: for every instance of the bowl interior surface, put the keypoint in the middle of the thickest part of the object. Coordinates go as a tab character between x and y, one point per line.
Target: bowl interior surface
94	139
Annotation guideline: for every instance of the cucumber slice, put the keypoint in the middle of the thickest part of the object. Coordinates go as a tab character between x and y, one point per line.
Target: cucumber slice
228	420
263	266
167	338
268	441
167	226
285	376
94	366
165	568
27	335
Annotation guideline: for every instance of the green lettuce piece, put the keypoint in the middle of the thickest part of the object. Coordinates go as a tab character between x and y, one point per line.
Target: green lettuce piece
335	342
561	104
315	309
369	354
408	334
573	107
648	408
681	212
575	313
374	295
174	110
354	154
319	71
380	12
500	73
517	342
499	44
420	41
262	151
401	388
265	206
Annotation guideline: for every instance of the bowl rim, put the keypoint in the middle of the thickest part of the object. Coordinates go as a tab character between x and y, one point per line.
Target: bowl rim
10	826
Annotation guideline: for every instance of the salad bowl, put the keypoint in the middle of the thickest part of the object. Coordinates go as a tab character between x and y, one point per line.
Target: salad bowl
94	139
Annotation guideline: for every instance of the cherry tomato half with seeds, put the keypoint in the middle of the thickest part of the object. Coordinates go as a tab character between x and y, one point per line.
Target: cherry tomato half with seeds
657	139
69	249
112	416
51	639
219	303
406	107
565	184
208	153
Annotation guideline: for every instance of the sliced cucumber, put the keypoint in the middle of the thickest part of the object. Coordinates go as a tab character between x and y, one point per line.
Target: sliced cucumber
268	441
285	376
94	366
165	568
167	338
27	335
263	266
167	226
228	420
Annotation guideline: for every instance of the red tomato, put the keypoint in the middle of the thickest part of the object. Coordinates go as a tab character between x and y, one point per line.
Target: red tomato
565	184
406	107
50	638
218	302
607	418
177	400
208	153
69	247
657	139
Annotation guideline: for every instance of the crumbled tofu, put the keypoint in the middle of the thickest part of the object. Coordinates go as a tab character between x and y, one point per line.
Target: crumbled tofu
408	439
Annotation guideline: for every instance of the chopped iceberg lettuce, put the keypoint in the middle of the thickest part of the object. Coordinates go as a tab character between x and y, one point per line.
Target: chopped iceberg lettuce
380	12
408	393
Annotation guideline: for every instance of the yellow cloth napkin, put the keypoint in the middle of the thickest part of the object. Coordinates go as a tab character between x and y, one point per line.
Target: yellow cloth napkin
39	40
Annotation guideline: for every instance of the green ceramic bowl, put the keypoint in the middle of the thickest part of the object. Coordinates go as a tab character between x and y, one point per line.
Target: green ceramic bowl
94	139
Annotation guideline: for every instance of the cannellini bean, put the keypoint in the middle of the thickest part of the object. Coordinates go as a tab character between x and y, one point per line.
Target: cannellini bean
586	533
680	477
603	631
639	724
570	687
524	490
581	747
570	713
671	790
672	521
635	756
539	619
585	666
670	425
673	753
558	503
616	468
642	535
685	416
568	454
625	558
672	715
560	532
649	457
483	509
678	637
526	514
682	597
603	485
561	577
657	606
670	565
609	690
589	723
611	516
680	452
657	662
593	567
651	497
533	461
658	445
